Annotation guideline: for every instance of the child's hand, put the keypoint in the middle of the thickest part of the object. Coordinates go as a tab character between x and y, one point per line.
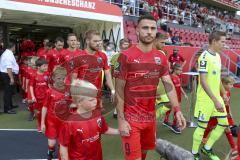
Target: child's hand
33	99
43	128
186	97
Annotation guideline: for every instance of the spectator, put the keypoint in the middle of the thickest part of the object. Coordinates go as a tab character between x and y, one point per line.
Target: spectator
181	22
163	23
175	21
169	40
175	58
176	39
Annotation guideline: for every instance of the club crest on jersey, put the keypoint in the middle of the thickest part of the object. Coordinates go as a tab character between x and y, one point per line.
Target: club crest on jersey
99	59
71	64
45	78
99	122
66	94
157	60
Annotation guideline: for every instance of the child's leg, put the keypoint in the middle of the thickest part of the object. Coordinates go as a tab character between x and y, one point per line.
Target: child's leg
167	116
51	147
230	138
211	125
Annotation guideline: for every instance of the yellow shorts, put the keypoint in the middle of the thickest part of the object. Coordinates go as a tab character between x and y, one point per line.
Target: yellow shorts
204	110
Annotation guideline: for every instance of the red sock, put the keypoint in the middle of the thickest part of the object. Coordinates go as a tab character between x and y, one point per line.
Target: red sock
230	139
31	108
144	155
167	116
39	117
174	120
51	148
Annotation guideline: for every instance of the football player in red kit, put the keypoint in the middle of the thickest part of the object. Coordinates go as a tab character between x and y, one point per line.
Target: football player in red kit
50	124
42	50
81	139
38	87
93	62
175	76
137	76
54	55
227	84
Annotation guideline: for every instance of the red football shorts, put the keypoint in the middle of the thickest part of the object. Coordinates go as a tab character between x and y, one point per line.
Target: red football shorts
38	105
52	126
142	137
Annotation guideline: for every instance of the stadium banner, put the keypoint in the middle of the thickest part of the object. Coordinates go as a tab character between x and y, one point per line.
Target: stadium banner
95	6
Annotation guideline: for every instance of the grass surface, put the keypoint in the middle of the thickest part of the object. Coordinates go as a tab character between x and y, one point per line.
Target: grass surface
112	148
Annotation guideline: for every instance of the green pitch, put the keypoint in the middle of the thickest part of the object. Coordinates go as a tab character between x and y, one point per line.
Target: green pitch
112	148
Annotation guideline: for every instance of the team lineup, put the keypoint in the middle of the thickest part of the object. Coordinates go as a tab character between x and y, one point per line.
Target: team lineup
63	88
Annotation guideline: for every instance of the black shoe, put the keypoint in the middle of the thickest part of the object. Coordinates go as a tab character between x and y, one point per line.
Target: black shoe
175	129
197	156
50	155
115	116
16	106
167	124
10	112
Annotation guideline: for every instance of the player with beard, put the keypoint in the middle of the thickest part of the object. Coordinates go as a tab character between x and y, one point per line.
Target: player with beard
137	76
94	63
54	54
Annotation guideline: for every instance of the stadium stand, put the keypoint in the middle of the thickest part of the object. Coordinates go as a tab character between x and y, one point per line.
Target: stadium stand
200	19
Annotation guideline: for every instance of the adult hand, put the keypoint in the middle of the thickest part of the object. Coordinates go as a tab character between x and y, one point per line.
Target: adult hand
124	127
218	106
181	120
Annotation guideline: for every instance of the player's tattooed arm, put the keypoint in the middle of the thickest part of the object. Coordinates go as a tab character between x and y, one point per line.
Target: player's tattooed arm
203	81
63	152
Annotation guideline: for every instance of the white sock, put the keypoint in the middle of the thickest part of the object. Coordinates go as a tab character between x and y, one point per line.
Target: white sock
115	111
194	152
207	147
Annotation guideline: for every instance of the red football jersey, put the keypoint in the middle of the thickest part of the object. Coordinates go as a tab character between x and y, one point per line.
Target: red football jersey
83	138
175	59
66	55
141	71
30	73
51	97
39	82
53	59
177	83
91	67
42	53
227	105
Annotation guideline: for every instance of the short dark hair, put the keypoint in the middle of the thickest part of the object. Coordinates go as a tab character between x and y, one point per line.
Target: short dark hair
59	39
124	40
70	35
49	44
11	44
216	35
147	16
40	61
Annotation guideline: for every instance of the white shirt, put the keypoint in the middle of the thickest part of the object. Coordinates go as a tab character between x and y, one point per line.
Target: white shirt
8	60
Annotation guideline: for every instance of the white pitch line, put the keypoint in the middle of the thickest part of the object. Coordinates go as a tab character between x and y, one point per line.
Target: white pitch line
18	130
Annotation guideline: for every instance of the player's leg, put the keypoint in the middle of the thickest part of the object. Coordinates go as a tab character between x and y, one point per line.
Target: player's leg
202	113
148	138
166	119
51	148
214	136
131	144
230	139
175	128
